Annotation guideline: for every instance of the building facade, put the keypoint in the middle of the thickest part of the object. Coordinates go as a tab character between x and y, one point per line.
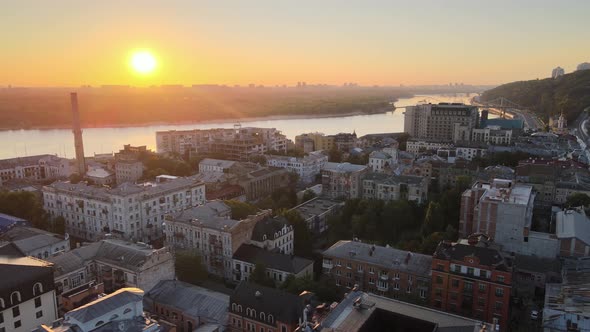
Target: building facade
308	167
36	242
380	270
416	146
41	167
128	171
395	187
437	121
342	180
130	211
472	278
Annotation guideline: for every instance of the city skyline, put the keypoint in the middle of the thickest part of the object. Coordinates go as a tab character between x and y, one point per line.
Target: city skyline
377	43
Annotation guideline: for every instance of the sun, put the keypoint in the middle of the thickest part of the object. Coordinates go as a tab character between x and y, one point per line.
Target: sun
143	62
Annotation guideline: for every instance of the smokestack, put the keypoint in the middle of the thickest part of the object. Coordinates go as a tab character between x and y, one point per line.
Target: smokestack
78	144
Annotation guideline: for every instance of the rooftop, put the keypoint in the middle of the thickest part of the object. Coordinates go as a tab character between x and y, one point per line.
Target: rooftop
24	161
316	207
573	224
386	257
486	252
393	179
273	260
208	210
343	167
8	221
29	239
508	192
268	226
104	305
16	270
193	301
217	163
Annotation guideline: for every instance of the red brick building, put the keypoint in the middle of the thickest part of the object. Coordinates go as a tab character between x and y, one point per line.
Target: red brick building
255	308
472	278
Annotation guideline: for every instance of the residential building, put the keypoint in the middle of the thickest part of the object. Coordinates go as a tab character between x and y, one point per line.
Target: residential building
40	167
307	167
472	278
342	180
363	311
304	143
415	146
36	242
381	161
380	270
395	187
557	72
132	153
503	210
128	170
130	211
437	121
344	141
583	66
79	296
114	263
470	151
258	308
273	234
100	176
209	165
119	311
450	174
215	238
318	141
489	135
259	182
382	140
27	291
572	228
187	306
236	144
278	266
316	212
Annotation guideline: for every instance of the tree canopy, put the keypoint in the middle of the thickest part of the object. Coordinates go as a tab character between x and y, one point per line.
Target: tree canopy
577	199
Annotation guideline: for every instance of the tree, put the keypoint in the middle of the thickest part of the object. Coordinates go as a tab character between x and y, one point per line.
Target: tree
260	277
189	267
303	241
325	289
241	210
75	178
308	195
577	199
58	225
334	156
25	205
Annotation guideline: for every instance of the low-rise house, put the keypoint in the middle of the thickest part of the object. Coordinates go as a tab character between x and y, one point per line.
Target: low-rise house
395	187
278	266
343	180
115	263
255	308
381	270
381	161
36	242
273	234
187	306
119	311
27	291
316	212
572	228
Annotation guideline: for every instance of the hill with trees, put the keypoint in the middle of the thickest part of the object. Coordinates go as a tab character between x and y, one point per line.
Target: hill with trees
569	94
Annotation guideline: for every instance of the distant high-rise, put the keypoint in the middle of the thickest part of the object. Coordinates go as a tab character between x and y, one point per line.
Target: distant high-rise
583	66
437	121
77	130
557	72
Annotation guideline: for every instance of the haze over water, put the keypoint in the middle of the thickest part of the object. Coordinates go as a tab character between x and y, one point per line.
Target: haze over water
20	143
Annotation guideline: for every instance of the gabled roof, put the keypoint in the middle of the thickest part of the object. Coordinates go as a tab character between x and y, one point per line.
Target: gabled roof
106	304
273	260
285	307
268	226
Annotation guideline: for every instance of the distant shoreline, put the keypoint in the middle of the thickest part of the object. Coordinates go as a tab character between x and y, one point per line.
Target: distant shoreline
219	121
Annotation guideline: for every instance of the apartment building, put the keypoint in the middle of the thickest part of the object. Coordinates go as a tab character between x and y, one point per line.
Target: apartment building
307	167
318	141
437	121
208	165
236	144
342	180
416	145
113	263
40	167
215	238
316	212
572	229
381	161
395	187
259	182
380	270
472	278
130	211
273	234
494	135
258	308
128	171
27	291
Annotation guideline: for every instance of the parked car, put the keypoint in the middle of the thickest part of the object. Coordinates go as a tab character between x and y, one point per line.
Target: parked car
534	315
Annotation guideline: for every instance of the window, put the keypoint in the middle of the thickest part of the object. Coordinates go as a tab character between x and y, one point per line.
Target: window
17	324
128	310
409	289
37	302
498	305
39	314
455	283
499	292
470	271
457	268
481	301
262	316
271	319
453	295
440	267
348	266
1	317
482	288
14	298
438	292
15	311
371	270
501	279
422	293
283	328
37	289
359	268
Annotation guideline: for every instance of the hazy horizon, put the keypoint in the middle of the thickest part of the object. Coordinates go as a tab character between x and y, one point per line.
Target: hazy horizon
386	43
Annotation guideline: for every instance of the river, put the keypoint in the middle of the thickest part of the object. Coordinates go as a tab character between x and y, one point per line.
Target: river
19	143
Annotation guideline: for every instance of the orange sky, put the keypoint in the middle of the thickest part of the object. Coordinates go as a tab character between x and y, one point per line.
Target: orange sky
268	42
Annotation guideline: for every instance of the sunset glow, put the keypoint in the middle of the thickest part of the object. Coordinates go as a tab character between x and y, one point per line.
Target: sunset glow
143	62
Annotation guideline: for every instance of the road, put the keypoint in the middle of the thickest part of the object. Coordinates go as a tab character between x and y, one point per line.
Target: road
530	120
579	128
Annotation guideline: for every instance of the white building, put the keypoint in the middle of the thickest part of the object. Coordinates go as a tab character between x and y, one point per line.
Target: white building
131	211
39	167
557	72
114	263
27	292
308	167
128	171
381	161
583	66
100	176
490	135
208	165
36	242
274	234
470	152
395	187
421	145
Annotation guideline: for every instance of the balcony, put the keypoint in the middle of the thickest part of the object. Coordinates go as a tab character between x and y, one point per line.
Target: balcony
382	286
384	277
327	265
